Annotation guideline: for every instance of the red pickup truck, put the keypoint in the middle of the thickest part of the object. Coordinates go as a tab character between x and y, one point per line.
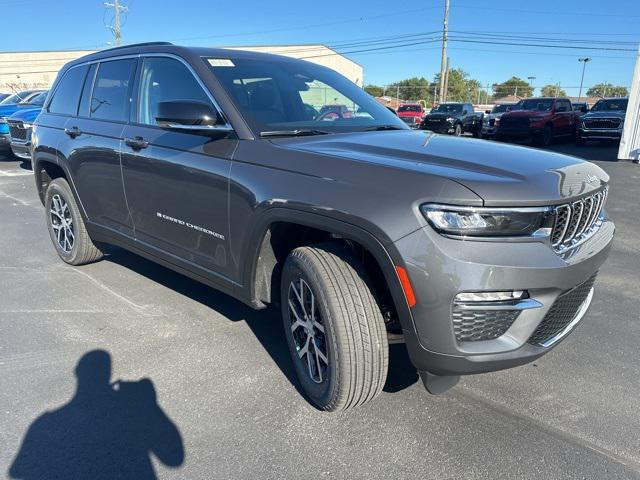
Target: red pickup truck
540	119
411	114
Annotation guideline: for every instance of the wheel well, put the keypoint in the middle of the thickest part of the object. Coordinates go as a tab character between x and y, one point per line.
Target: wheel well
283	237
45	172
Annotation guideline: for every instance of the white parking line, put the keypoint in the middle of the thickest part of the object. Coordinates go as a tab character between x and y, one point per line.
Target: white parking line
15	173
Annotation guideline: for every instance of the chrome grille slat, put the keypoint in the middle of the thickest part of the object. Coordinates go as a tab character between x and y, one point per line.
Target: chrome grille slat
577	220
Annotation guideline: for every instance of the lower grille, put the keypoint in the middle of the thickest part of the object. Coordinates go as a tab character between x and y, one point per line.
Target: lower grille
602	123
17	131
514	122
477	325
562	312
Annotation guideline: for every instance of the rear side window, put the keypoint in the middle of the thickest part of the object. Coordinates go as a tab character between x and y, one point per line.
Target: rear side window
67	93
110	99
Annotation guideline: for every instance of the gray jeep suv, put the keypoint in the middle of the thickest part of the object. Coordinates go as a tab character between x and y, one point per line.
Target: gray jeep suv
224	166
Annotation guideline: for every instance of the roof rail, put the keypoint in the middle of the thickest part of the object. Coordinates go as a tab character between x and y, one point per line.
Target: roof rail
144	44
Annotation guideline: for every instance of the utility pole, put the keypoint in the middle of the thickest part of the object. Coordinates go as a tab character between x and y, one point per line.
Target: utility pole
445	94
584	61
443	59
117	9
531	79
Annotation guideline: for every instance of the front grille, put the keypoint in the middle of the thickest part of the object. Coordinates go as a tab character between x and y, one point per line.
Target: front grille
602	123
17	131
409	120
514	122
477	325
577	220
562	312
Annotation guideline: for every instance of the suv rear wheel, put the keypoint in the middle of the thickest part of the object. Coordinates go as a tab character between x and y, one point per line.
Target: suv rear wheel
66	227
334	327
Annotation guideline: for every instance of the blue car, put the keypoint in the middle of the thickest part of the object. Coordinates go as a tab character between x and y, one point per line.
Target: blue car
20	124
19	101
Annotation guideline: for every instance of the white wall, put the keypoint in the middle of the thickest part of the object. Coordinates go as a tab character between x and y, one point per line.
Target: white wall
630	143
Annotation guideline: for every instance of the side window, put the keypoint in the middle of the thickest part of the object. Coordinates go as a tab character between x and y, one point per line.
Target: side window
165	79
67	93
85	99
110	99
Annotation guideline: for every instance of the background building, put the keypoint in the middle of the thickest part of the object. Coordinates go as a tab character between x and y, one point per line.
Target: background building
23	70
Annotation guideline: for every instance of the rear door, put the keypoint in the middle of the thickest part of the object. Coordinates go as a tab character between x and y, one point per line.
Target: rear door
176	181
92	143
563	122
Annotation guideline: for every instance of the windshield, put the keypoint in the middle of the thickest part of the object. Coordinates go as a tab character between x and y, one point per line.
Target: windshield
410	108
279	95
617	104
449	108
15	98
543	105
502	108
38	100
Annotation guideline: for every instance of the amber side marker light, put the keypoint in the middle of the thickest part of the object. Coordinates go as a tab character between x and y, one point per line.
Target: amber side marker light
406	286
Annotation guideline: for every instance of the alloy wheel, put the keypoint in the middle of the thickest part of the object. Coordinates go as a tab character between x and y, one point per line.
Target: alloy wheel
62	223
308	330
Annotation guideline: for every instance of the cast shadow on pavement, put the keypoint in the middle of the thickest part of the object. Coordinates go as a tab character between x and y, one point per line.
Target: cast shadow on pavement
266	324
107	430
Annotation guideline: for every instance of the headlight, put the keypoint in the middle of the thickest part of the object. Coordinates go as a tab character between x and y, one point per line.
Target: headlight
489	222
451	119
26	125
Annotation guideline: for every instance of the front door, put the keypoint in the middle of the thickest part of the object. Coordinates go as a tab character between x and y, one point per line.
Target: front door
176	181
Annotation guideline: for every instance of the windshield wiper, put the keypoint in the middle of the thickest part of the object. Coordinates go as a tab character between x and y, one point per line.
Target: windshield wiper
382	127
293	133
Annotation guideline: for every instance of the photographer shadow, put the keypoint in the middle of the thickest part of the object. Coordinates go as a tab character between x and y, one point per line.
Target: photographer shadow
107	430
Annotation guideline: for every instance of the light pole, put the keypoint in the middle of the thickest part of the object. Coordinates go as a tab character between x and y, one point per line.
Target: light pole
584	65
531	79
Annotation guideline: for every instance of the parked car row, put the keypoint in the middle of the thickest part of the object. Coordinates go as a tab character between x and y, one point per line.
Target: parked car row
18	111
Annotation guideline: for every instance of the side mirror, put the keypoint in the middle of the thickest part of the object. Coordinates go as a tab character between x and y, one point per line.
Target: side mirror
189	115
584	109
465	112
487	112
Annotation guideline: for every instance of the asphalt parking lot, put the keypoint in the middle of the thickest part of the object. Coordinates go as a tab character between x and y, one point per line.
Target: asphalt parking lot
227	404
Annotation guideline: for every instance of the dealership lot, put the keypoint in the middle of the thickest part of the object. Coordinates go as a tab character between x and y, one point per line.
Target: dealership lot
222	373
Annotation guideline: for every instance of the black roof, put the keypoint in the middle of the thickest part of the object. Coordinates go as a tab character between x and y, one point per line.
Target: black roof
167	47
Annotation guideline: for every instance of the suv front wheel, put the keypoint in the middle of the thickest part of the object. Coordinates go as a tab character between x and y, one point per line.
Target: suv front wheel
334	327
66	227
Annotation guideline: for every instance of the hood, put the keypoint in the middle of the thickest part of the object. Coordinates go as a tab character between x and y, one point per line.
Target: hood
26	114
606	114
501	174
9	109
443	115
410	114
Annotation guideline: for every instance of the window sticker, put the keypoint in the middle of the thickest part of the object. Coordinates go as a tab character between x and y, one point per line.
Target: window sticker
220	62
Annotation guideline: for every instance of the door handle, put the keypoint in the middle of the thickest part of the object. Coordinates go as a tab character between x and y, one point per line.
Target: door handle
136	143
73	132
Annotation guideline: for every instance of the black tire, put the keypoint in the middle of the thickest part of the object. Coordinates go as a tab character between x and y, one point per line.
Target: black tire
545	138
354	339
82	249
457	130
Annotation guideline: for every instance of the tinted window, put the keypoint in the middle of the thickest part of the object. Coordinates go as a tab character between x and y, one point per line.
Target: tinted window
449	108
67	93
536	104
111	90
39	99
163	80
410	108
616	104
83	111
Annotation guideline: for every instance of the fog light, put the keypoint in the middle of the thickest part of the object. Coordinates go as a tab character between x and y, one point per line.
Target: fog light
465	297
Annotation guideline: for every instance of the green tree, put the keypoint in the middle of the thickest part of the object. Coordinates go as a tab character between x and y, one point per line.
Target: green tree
415	88
607	90
374	90
552	91
461	88
513	86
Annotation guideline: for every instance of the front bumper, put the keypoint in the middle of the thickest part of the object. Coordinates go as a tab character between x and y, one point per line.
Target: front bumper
518	132
439	268
438	127
600	134
21	150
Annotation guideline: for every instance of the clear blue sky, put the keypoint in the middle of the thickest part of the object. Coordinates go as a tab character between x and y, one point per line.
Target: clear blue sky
47	25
